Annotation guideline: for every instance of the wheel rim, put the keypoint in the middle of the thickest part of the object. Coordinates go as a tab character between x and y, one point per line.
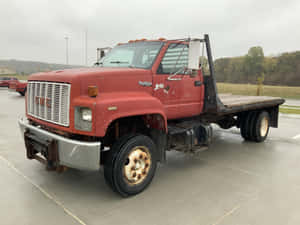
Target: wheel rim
264	127
137	165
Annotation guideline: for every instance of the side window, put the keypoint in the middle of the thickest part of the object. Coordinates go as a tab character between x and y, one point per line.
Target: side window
175	58
149	56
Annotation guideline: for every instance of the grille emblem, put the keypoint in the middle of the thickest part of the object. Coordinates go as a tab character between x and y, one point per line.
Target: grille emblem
43	101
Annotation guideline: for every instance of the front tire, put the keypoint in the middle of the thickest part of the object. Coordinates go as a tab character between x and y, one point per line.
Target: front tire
130	165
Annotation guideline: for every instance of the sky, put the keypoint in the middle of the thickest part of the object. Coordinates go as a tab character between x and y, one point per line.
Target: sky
36	29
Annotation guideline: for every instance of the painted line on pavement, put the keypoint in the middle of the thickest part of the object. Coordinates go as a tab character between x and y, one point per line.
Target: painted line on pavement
44	192
229	213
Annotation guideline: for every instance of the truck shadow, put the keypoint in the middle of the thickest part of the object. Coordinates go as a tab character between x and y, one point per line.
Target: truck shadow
91	186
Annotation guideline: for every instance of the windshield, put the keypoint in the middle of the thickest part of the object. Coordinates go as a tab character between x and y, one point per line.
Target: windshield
132	55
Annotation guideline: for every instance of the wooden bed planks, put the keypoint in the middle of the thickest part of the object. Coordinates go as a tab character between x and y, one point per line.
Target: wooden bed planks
230	100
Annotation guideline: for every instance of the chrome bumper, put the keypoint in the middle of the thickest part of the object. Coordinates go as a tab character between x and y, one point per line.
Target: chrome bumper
72	153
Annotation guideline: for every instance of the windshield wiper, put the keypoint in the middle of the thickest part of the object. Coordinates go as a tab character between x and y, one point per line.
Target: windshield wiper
98	63
118	62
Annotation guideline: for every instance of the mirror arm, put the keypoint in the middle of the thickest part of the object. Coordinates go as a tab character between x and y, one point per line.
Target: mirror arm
174	74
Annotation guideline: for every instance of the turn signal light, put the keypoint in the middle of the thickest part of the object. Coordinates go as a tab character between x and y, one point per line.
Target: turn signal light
92	91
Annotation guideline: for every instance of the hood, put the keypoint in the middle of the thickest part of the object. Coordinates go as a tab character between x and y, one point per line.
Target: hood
69	75
106	79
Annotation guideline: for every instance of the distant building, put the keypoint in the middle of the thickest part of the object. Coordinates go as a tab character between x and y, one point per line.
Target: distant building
6	71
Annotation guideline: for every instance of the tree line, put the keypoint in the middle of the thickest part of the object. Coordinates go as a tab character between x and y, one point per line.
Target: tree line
254	67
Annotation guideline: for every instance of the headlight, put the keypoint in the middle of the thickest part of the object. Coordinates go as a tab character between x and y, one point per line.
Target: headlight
83	118
86	114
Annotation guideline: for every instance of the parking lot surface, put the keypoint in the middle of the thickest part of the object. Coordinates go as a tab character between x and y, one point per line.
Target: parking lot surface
233	183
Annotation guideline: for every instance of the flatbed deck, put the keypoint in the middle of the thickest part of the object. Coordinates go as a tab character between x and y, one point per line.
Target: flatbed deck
238	103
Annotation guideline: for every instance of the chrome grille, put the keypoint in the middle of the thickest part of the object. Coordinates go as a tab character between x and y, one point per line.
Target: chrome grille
49	101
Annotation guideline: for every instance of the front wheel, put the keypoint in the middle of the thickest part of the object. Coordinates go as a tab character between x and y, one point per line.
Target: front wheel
130	165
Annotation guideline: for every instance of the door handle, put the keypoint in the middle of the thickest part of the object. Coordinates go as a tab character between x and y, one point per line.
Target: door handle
145	83
198	83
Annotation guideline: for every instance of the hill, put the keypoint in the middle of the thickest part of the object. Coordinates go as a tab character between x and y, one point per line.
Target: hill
29	67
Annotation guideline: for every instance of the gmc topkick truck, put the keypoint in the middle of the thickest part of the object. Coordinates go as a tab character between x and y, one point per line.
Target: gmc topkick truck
143	98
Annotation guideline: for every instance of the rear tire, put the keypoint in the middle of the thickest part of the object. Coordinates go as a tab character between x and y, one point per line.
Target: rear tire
261	126
255	126
22	93
246	126
130	165
252	123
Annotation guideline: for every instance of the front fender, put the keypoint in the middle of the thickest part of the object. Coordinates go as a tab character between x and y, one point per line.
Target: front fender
112	106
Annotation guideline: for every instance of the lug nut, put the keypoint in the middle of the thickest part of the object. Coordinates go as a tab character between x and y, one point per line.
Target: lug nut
134	174
139	176
141	156
133	168
135	160
146	165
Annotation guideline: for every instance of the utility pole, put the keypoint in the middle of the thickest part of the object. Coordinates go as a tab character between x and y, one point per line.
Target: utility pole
67	50
86	47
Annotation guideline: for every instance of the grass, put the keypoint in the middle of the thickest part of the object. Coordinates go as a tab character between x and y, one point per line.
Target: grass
289	110
250	89
292	106
19	77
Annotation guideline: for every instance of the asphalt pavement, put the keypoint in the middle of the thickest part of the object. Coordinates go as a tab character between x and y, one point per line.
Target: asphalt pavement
232	183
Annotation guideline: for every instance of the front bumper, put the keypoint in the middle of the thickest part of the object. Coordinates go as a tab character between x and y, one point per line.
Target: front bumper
71	153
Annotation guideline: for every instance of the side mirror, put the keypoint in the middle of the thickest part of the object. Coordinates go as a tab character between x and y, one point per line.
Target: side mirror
194	54
101	52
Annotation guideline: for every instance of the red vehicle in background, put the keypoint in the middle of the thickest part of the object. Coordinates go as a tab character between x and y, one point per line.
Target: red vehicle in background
5	81
18	86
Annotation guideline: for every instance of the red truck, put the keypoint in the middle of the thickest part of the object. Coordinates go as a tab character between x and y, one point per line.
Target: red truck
18	86
144	98
5	81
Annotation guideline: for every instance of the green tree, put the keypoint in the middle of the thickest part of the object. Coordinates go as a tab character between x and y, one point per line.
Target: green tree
254	63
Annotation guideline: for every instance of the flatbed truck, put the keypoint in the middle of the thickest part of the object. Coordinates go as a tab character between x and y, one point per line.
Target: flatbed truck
144	98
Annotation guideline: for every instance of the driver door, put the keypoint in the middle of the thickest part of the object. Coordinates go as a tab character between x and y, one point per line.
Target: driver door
181	94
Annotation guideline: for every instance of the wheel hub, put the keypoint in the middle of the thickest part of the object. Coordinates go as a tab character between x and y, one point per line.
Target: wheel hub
137	166
264	127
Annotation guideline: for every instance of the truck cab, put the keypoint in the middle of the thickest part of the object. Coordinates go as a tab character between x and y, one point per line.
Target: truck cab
143	98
